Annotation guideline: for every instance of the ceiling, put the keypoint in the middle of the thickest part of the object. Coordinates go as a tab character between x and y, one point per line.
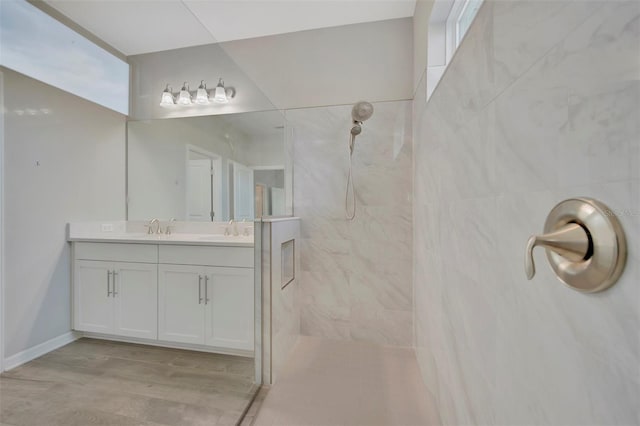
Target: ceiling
142	26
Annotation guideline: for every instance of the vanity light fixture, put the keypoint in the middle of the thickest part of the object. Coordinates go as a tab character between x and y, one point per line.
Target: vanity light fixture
184	98
202	97
167	97
221	95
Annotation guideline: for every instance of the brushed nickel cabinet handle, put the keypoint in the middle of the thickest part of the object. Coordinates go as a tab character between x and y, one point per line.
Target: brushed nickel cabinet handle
108	283
115	274
199	289
206	289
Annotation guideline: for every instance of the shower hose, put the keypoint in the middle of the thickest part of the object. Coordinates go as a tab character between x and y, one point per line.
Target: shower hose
351	215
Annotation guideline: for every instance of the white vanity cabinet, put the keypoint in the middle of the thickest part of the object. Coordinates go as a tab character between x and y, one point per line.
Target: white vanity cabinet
212	306
229	311
192	295
181	304
93	305
206	296
116	297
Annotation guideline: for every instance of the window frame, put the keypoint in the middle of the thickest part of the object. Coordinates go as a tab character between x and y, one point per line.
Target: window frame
444	38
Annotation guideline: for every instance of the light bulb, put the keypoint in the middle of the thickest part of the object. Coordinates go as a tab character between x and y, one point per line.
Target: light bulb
202	97
220	94
184	98
167	97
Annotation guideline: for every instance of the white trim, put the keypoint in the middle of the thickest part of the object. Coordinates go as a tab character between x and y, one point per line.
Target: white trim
2	363
217	164
443	39
453	23
39	350
163	344
451	28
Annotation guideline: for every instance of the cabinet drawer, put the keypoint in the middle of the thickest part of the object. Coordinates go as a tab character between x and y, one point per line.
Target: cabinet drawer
239	257
114	252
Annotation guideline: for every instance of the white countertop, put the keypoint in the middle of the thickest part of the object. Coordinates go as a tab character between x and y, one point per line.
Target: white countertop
122	232
279	218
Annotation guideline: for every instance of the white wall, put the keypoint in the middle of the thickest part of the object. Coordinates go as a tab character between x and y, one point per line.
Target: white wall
339	65
269	178
64	161
420	39
540	103
152	71
265	151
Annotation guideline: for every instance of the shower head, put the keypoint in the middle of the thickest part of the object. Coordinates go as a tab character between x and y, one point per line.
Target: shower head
361	111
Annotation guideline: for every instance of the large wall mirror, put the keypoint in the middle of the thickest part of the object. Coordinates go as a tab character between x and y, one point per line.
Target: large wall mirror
211	168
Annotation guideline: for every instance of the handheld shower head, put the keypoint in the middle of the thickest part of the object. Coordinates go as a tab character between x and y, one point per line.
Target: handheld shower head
361	111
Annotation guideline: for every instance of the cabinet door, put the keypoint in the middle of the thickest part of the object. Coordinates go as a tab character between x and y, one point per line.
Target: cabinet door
229	308
93	301
181	303
135	287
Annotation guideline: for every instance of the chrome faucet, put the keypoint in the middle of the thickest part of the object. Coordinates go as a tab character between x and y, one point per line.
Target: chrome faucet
150	226
227	231
167	230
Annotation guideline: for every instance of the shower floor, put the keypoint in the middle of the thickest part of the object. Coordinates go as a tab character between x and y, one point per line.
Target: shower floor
330	382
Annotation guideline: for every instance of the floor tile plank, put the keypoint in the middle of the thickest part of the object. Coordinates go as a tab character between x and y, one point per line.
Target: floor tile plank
94	382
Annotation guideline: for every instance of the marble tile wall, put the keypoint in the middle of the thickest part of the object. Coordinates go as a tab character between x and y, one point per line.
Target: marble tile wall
356	276
541	103
281	322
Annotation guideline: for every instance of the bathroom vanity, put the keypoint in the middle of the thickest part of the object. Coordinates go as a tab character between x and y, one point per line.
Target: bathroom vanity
193	290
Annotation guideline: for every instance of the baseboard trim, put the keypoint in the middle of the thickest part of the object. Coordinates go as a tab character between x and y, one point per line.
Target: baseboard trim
38	350
172	345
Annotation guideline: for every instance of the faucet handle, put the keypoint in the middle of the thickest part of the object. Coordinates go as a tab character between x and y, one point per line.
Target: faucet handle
571	242
167	230
149	229
586	245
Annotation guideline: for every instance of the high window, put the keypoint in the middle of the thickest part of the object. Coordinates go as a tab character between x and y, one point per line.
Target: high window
449	22
35	44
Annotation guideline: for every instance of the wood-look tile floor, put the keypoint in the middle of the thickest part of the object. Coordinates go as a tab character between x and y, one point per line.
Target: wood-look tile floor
96	382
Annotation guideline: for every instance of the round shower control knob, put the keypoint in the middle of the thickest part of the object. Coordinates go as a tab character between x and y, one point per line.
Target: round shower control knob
585	245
